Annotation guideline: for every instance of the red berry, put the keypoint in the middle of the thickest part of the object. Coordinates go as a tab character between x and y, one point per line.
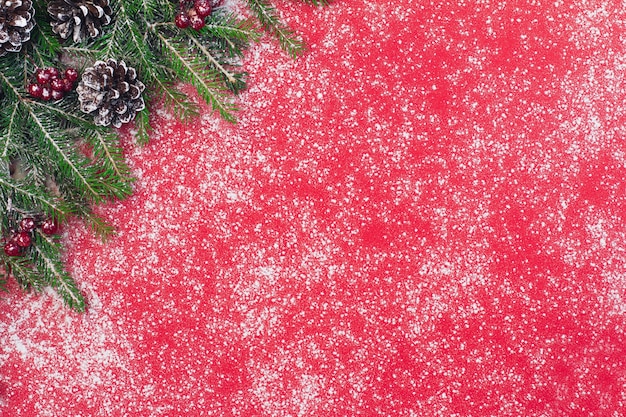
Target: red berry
57	84
203	7
57	95
52	72
49	227
197	22
22	239
68	85
182	20
35	90
42	76
71	74
46	93
11	248
27	224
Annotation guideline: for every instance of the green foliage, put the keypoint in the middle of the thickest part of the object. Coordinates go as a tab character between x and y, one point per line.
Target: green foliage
56	163
271	23
46	256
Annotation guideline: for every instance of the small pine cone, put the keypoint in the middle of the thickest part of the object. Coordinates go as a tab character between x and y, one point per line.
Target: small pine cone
16	22
111	92
80	19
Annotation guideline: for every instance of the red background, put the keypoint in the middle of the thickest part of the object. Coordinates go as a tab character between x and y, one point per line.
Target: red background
424	215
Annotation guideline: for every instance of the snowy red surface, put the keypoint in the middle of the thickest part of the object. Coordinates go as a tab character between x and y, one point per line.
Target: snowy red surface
424	215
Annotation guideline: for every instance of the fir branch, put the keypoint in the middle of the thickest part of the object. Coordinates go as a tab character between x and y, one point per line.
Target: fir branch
11	77
134	44
97	224
12	132
55	141
271	23
150	9
194	71
234	32
48	45
316	2
94	183
116	42
214	62
162	10
46	254
35	167
142	122
20	268
224	27
31	198
109	155
45	46
64	110
177	102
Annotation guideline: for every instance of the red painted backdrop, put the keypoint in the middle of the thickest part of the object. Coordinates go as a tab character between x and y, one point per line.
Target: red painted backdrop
424	215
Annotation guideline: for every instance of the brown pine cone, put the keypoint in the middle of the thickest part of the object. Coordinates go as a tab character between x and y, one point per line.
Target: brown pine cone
111	92
16	23
80	19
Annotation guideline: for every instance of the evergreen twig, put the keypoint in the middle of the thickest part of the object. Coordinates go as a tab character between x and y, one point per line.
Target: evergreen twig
56	163
271	23
47	260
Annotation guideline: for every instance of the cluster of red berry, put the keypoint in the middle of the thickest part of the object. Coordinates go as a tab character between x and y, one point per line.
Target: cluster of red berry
192	13
50	85
22	238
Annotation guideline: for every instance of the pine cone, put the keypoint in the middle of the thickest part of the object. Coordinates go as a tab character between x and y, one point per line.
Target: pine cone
111	92
80	19
16	22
